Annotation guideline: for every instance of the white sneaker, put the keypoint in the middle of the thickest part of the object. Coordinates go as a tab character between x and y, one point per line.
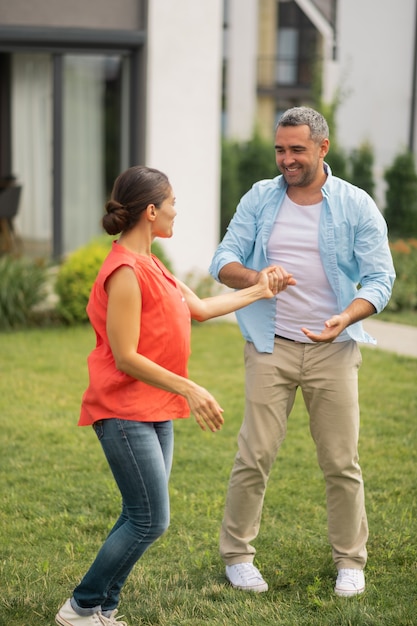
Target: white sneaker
112	620
245	576
66	616
349	582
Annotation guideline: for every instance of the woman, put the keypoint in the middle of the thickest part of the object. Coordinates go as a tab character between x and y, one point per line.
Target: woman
138	379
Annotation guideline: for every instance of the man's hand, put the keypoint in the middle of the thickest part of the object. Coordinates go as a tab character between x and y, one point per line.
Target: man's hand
359	309
332	329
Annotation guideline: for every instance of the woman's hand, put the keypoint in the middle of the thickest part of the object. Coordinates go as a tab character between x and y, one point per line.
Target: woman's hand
274	279
205	408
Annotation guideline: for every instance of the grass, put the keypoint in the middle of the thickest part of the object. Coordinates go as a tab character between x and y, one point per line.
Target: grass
406	317
59	500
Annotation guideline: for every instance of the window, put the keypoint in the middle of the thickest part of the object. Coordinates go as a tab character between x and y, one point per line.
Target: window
94	143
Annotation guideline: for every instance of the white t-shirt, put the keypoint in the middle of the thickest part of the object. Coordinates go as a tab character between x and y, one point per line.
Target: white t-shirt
293	244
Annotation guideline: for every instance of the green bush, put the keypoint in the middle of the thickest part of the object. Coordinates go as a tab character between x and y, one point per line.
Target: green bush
229	185
404	293
401	196
361	166
22	288
77	273
338	161
256	162
242	165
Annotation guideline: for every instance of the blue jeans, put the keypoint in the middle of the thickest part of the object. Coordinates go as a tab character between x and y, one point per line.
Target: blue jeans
140	458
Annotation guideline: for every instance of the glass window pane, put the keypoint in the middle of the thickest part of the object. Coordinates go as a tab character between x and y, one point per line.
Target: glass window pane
92	141
287	47
32	148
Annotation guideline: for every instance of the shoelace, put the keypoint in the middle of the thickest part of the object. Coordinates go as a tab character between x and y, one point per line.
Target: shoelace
350	577
112	620
248	571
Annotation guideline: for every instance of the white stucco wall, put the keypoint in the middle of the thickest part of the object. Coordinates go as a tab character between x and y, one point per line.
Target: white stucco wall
375	44
241	45
183	121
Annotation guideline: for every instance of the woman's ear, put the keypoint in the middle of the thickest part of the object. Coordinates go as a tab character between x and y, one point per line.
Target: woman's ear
151	212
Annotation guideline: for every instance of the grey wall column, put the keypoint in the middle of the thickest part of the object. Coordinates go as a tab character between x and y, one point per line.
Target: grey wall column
57	134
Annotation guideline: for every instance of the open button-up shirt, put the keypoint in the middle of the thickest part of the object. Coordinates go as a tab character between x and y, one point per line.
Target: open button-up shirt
353	246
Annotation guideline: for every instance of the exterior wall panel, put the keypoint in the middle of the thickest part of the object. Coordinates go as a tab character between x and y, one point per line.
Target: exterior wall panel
120	14
376	48
183	121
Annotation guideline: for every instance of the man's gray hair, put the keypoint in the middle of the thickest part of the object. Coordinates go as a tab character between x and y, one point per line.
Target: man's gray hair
300	116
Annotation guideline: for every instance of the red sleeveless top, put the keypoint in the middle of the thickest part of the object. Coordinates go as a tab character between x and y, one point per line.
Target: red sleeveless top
165	331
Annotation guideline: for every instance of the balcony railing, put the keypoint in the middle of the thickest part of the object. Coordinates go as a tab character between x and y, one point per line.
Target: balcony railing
286	72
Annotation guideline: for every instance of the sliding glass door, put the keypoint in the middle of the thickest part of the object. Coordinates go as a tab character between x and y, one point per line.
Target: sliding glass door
93	142
92	130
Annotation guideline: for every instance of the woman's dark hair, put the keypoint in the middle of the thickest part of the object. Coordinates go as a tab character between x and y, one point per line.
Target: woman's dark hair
133	191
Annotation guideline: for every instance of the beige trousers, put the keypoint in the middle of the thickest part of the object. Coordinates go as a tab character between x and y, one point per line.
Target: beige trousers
328	377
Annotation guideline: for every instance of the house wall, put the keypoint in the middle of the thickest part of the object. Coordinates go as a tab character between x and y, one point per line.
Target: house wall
182	99
375	58
241	55
123	14
183	121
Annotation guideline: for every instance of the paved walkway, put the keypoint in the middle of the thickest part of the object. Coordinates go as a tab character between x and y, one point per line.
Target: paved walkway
393	337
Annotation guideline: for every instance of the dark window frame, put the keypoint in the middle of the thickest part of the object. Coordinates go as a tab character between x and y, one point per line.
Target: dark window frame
60	41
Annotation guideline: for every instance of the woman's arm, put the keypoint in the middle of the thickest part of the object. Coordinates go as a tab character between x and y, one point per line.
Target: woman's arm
266	284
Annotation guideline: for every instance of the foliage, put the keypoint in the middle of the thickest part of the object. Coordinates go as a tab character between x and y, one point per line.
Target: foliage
336	157
59	500
77	274
75	279
242	165
401	196
22	288
203	285
256	162
356	166
229	184
361	168
338	161
404	294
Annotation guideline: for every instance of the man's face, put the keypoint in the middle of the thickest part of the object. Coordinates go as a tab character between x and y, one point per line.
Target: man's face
298	157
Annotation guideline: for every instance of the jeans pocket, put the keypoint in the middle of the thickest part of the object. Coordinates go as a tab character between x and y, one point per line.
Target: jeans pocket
99	429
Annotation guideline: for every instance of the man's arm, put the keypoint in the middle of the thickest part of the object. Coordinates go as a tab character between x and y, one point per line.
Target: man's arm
237	276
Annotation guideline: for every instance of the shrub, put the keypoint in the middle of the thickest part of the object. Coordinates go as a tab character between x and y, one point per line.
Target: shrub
242	165
338	161
75	279
401	196
77	273
229	185
22	288
256	162
404	293
361	164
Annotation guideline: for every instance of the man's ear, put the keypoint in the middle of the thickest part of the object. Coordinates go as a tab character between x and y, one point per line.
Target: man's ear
324	147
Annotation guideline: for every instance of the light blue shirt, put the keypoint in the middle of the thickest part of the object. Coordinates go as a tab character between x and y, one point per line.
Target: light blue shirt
353	246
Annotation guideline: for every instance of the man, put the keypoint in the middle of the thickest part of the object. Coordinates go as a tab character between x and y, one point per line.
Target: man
331	237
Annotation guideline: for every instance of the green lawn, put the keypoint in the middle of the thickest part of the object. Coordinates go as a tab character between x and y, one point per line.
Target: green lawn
59	500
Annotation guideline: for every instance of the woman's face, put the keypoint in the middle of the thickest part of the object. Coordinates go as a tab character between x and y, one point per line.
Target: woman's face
165	214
